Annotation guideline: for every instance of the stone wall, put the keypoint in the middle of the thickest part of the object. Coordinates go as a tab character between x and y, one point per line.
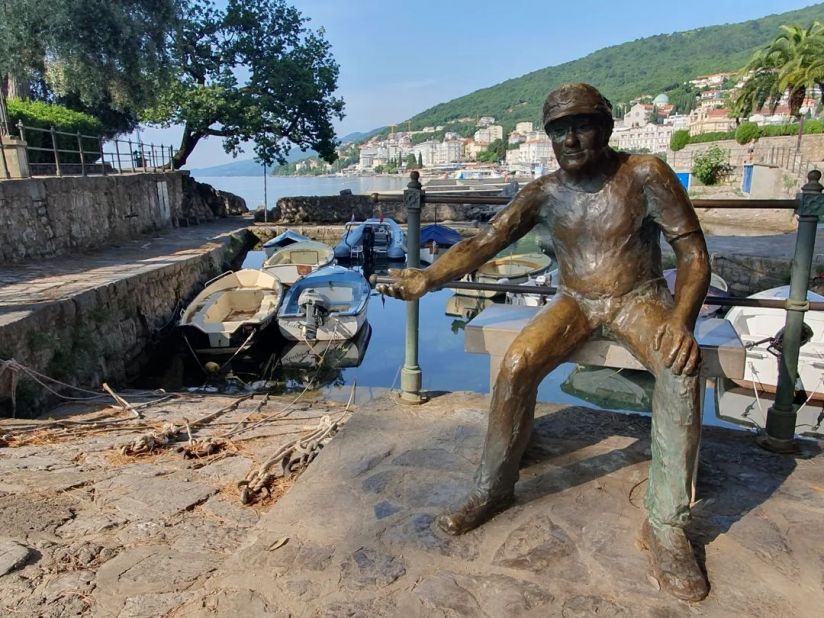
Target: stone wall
106	334
778	151
46	217
339	209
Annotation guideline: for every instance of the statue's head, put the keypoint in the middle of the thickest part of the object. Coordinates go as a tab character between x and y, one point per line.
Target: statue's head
578	120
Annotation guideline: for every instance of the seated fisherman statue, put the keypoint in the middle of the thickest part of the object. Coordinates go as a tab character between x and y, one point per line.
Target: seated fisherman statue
605	212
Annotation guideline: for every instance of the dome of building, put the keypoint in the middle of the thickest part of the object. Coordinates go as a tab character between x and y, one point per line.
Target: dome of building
661	99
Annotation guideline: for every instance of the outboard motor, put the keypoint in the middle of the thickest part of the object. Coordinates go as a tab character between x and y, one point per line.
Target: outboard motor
315	308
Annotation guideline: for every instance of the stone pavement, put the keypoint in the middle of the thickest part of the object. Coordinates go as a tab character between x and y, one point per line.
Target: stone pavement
355	535
25	286
88	531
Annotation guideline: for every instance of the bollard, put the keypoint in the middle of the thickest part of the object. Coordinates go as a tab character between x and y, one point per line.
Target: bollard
411	373
781	416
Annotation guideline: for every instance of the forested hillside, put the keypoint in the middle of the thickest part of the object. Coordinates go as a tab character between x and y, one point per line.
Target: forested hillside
622	72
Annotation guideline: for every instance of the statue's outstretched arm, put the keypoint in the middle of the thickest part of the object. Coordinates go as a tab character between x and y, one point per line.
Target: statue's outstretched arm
513	222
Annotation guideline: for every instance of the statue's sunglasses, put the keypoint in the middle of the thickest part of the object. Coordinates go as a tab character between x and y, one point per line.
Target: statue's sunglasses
580	125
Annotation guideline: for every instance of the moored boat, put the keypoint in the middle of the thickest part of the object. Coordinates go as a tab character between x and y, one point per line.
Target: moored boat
231	310
436	240
328	304
282	240
510	269
297	260
746	401
378	237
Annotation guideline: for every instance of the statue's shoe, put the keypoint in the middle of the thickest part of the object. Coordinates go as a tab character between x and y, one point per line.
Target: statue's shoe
673	562
478	508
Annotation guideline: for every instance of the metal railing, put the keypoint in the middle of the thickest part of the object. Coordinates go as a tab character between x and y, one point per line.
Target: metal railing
808	205
51	152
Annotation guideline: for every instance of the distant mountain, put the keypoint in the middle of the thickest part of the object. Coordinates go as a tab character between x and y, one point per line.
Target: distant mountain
351	138
622	72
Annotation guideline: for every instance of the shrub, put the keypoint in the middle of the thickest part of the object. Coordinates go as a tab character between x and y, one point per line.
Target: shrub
709	167
679	139
747	132
46	115
712	136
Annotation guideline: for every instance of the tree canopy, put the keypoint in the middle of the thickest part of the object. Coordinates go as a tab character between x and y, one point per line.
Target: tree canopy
791	64
251	72
105	57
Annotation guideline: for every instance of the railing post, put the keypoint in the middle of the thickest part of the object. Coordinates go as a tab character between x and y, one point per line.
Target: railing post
171	159
781	416
143	157
56	154
6	172
411	375
117	153
80	152
102	155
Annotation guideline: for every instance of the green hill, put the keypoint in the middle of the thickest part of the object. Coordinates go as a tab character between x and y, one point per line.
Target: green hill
622	72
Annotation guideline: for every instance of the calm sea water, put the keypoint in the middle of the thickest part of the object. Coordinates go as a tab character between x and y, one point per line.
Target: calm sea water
251	188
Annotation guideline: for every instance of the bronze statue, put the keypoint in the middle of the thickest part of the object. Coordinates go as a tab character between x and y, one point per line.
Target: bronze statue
605	211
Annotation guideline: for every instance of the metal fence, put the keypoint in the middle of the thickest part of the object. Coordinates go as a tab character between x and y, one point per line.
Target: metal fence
50	152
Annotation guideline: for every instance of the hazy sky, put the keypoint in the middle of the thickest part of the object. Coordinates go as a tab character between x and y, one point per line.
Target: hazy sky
399	58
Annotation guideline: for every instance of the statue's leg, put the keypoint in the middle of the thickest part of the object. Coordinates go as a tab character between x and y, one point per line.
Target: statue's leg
541	346
676	427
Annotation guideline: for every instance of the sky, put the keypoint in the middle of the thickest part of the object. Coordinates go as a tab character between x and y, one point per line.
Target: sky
399	58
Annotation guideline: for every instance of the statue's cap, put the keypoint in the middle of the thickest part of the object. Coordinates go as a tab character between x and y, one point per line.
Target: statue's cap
571	99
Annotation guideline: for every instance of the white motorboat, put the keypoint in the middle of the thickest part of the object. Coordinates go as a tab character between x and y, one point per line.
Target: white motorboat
746	401
282	240
511	269
230	310
328	304
297	260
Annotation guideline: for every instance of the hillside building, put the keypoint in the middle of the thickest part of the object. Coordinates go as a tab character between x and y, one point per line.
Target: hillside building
707	120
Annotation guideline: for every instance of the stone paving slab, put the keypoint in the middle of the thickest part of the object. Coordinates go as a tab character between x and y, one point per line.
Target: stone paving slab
355	535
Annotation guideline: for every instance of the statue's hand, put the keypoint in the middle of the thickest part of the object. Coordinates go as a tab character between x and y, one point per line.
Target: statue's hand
410	284
678	348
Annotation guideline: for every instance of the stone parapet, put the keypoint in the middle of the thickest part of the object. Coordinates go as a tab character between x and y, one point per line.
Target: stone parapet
53	216
339	209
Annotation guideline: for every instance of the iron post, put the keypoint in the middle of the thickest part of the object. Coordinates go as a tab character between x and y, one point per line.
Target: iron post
54	150
781	416
411	373
117	153
102	156
80	151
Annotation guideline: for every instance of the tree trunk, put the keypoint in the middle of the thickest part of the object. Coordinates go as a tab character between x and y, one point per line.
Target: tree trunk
17	88
187	145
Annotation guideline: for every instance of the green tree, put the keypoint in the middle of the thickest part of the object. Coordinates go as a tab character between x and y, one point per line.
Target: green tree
792	63
105	58
412	161
420	161
251	72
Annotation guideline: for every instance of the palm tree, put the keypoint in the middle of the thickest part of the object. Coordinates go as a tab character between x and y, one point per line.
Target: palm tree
791	64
